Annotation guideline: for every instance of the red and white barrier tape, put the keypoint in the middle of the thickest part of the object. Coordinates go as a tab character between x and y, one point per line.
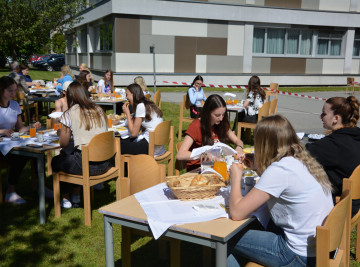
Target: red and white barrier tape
245	87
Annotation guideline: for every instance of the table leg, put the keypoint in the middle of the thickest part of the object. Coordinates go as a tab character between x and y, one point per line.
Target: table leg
41	186
27	109
114	108
48	107
109	243
221	254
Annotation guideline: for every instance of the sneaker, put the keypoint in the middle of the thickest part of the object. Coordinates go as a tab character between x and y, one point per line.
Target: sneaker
99	186
66	204
14	199
75	198
49	193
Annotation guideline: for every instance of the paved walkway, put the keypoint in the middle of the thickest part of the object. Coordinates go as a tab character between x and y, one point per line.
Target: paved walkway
303	113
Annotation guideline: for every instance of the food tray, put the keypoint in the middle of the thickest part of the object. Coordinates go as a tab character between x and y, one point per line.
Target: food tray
187	192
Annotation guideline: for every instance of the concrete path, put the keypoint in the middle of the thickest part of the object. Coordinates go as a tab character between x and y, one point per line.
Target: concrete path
303	113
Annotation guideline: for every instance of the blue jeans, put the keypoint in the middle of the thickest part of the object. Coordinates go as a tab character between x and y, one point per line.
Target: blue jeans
266	248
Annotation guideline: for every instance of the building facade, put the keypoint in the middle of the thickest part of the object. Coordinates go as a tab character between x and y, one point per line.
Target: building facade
291	42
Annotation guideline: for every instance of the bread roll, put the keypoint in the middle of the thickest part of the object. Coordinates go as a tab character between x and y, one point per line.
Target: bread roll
199	180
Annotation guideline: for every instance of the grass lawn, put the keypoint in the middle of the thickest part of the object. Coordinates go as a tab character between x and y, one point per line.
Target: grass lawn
67	241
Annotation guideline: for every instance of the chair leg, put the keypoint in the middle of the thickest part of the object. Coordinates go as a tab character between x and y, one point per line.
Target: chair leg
180	129
49	156
87	205
239	132
171	167
357	246
56	186
175	252
125	246
118	189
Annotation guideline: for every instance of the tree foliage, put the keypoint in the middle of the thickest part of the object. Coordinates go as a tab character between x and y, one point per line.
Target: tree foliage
26	24
58	43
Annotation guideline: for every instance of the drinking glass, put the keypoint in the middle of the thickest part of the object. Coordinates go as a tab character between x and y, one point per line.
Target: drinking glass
110	122
221	168
32	130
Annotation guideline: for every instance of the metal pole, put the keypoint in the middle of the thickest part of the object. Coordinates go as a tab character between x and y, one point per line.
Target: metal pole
152	50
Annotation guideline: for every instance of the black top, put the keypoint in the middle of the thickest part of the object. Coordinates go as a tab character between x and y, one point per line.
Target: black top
339	153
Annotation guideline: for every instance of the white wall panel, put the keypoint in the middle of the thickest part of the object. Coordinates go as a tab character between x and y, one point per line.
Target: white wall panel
355	66
235	44
133	62
201	63
179	27
335	5
333	66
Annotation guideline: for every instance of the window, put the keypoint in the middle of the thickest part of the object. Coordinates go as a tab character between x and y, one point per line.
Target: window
356	48
71	43
106	37
329	43
297	42
83	40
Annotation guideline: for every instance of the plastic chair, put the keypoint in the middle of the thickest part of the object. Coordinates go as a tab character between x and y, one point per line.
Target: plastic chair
263	112
273	107
163	135
274	88
101	147
143	172
184	105
334	234
157	98
351	83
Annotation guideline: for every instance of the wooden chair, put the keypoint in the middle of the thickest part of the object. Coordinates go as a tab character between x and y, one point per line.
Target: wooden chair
143	172
157	98
20	97
179	164
184	105
334	234
263	112
163	135
101	147
355	194
273	107
351	83
274	88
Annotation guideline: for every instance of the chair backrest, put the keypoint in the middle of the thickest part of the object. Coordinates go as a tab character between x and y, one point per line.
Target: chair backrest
186	100
355	181
157	98
273	107
143	172
179	164
334	232
263	111
350	80
162	135
274	86
101	147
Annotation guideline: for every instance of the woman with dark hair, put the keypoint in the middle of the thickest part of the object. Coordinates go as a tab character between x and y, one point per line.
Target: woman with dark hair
212	127
24	71
10	120
297	193
255	100
147	116
339	151
82	121
196	95
85	78
106	84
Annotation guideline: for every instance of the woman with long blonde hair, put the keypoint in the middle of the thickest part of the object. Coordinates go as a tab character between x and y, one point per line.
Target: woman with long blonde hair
296	190
66	75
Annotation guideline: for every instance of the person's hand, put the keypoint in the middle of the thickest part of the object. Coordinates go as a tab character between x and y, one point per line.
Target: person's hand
126	109
236	170
6	132
37	125
239	152
56	79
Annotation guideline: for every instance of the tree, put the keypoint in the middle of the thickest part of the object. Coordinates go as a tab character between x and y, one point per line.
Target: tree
58	43
26	24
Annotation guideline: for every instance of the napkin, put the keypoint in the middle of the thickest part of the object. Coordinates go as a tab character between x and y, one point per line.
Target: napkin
229	94
300	135
226	150
55	115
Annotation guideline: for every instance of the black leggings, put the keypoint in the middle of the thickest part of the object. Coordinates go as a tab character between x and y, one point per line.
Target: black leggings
129	146
17	164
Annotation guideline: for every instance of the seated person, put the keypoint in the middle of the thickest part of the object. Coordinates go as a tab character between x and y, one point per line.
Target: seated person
66	75
84	78
255	100
338	152
61	104
106	84
83	120
213	126
10	120
141	81
24	71
196	95
297	193
147	116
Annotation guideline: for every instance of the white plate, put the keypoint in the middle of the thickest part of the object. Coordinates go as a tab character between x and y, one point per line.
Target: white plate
316	136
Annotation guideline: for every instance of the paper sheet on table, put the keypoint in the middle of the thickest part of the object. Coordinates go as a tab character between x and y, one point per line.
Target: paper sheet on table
226	150
229	94
7	144
55	115
300	135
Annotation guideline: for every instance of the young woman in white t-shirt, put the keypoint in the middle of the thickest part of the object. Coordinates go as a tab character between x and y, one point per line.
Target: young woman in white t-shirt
296	190
10	121
146	116
106	84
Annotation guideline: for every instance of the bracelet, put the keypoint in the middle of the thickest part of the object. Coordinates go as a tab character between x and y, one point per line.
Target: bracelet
240	146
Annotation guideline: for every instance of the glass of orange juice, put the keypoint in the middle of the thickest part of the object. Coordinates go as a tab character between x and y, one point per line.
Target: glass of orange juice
110	122
221	168
32	130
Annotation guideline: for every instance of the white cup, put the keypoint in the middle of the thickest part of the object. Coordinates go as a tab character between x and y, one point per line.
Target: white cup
15	135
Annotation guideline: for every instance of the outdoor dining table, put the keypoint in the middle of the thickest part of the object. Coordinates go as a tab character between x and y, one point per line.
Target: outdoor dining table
214	233
110	102
42	95
39	155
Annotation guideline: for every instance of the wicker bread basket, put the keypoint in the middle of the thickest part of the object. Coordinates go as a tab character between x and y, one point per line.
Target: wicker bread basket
116	118
180	186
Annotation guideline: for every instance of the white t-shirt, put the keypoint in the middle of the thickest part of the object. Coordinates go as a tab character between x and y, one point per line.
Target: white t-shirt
8	116
149	126
254	104
298	203
103	89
